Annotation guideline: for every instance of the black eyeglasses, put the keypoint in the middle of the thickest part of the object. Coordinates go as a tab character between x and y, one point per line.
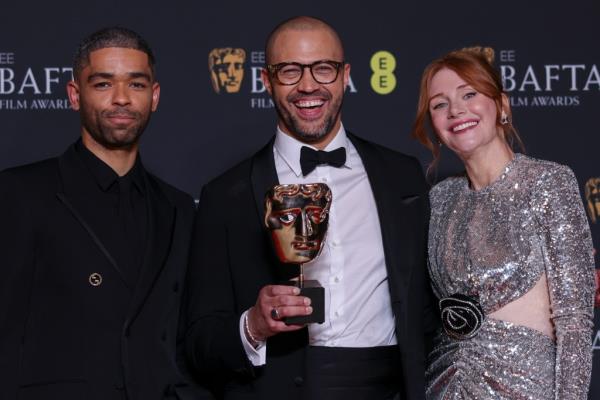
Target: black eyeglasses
322	71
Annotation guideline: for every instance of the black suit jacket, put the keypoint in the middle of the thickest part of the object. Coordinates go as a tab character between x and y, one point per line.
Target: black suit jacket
62	337
232	260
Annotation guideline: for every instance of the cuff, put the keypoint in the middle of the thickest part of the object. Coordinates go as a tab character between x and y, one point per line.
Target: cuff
257	355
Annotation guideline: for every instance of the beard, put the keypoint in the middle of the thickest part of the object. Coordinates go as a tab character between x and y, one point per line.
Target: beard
308	132
114	136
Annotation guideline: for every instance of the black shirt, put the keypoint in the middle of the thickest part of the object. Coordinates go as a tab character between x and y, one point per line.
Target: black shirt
116	210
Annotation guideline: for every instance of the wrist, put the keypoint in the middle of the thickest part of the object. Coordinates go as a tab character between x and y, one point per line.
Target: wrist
254	339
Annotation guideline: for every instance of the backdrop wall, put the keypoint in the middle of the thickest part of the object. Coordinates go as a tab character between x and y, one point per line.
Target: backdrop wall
547	52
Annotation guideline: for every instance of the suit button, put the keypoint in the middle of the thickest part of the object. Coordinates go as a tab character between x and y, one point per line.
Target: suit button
176	287
163	337
298	381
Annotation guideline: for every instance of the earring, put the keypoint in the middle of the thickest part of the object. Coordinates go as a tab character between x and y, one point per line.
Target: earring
503	118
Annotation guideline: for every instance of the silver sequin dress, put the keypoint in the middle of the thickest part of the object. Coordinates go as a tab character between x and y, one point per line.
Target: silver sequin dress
494	244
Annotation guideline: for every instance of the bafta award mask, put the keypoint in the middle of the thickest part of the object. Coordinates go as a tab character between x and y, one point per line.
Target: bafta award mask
297	216
226	67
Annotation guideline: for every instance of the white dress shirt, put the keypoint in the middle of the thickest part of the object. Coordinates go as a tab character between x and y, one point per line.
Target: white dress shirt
351	266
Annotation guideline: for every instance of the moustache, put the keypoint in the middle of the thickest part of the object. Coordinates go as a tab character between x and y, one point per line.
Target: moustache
292	97
120	113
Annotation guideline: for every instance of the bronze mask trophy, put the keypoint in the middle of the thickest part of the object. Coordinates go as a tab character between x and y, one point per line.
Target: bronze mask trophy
297	216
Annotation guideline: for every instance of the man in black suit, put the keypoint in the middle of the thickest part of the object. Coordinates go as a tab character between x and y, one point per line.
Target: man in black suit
377	305
93	248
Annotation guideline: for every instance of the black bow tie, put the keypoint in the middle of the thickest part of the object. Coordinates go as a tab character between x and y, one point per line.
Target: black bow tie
309	158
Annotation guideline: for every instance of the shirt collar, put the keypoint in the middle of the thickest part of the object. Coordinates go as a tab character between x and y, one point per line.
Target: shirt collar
104	175
289	147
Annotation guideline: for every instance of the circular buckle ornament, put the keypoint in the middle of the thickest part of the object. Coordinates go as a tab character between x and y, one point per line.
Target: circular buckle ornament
462	316
95	279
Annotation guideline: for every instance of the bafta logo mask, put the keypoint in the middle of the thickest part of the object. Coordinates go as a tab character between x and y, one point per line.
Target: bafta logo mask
592	196
226	66
297	217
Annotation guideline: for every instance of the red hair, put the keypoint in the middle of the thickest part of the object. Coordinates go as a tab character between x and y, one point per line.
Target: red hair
474	66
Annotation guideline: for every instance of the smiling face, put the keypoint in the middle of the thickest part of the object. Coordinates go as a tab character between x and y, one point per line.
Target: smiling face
297	218
115	94
464	119
308	110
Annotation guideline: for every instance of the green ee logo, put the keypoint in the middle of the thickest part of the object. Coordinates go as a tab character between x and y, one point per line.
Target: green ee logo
383	64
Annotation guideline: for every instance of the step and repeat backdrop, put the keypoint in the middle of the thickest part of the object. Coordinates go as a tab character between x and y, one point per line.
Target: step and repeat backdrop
211	116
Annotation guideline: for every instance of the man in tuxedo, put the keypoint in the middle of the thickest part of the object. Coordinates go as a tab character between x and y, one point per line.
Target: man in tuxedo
93	248
377	305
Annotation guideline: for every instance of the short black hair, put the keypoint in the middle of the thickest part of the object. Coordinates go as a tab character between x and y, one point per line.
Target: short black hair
115	36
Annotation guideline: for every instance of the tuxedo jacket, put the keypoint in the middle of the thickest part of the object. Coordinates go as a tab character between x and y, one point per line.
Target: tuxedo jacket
71	326
232	259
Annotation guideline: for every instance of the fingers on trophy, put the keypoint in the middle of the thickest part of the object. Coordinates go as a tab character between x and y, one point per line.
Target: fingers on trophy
297	216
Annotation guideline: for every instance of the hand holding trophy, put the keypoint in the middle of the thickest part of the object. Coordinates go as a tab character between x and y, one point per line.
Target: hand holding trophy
297	217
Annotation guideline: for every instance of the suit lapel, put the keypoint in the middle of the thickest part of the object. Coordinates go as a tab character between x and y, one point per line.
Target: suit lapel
161	225
263	176
389	191
70	169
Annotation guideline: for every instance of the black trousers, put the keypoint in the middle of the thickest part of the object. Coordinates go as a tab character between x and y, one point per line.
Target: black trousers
345	373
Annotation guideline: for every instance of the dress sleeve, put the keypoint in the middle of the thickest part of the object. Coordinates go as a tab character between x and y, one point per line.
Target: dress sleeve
569	266
436	215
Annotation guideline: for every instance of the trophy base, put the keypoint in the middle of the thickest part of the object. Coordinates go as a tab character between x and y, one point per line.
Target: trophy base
316	293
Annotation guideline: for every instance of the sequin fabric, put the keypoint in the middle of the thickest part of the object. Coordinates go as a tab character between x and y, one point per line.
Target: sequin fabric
495	244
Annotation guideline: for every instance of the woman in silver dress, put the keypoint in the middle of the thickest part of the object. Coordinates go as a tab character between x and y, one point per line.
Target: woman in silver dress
510	251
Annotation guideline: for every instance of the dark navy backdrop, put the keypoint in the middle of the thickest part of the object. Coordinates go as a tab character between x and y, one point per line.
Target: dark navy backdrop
547	52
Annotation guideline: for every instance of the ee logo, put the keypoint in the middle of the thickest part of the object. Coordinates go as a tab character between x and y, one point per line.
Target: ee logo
383	64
